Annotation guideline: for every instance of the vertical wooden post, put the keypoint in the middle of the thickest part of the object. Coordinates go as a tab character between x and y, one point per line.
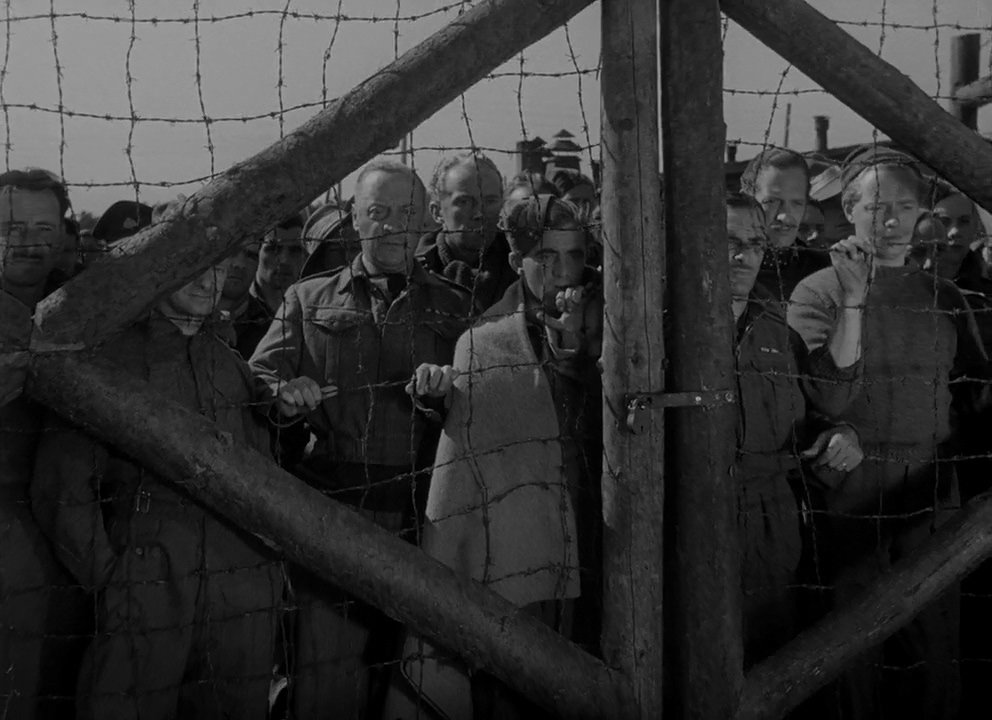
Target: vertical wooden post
966	53
633	351
701	494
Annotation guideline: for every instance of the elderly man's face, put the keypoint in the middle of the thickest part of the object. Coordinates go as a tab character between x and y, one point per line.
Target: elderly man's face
31	235
389	218
470	204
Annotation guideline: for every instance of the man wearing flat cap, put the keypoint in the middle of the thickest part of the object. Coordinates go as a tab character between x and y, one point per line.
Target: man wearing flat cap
122	219
924	380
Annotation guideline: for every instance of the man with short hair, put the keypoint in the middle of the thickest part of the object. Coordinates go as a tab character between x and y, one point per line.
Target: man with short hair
39	611
779	180
243	265
187	605
279	261
787	400
924	380
466	197
341	353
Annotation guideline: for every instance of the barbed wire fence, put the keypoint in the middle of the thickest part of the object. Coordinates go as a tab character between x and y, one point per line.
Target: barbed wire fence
180	575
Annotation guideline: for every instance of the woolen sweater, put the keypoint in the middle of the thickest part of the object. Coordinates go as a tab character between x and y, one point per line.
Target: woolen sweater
919	337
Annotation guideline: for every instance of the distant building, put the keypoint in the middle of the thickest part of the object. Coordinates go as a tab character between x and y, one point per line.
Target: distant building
536	155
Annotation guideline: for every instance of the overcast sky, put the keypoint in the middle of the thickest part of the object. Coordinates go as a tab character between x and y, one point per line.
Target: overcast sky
108	74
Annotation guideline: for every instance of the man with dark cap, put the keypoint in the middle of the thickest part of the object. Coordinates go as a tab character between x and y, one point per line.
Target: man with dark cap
331	240
340	353
122	219
187	605
466	197
779	180
923	365
39	609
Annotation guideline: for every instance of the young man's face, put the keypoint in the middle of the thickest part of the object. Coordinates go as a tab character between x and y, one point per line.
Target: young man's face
389	218
746	241
242	267
280	259
960	220
886	212
782	193
198	298
470	204
31	235
557	262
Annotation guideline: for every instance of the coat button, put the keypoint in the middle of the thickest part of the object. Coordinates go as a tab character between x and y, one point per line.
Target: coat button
139	551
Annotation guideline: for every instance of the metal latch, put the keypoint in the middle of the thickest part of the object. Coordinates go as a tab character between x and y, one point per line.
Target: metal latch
640	405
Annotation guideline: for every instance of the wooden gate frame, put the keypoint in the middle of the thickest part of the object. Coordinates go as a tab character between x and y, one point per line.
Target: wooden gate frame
340	546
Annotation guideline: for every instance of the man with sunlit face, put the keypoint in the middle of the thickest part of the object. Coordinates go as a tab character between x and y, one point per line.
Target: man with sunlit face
920	341
40	610
778	180
786	400
172	633
341	353
466	197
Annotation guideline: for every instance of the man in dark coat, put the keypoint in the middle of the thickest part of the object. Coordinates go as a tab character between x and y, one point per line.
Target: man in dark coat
187	605
787	398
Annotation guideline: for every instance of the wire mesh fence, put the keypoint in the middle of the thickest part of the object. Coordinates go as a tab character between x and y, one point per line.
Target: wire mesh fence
421	344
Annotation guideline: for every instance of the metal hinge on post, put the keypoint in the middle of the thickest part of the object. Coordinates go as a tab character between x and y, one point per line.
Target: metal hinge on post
639	405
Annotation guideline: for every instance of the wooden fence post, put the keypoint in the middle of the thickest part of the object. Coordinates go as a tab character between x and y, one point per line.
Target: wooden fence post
701	494
633	351
965	61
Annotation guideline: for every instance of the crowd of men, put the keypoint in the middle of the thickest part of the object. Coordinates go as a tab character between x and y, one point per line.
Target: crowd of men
430	357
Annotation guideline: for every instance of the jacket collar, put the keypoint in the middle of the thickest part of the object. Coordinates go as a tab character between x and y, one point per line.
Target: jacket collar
357	272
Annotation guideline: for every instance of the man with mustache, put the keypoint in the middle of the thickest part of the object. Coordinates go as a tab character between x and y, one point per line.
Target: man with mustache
779	180
924	381
466	197
39	611
340	353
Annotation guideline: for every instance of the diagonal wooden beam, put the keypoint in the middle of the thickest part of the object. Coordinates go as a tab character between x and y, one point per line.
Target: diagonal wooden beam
818	656
258	192
871	87
328	538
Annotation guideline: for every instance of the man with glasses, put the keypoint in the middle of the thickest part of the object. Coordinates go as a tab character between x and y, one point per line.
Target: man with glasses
38	608
340	354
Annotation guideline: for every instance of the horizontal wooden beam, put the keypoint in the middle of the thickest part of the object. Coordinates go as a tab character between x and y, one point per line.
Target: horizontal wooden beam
328	538
975	94
871	87
819	655
256	193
